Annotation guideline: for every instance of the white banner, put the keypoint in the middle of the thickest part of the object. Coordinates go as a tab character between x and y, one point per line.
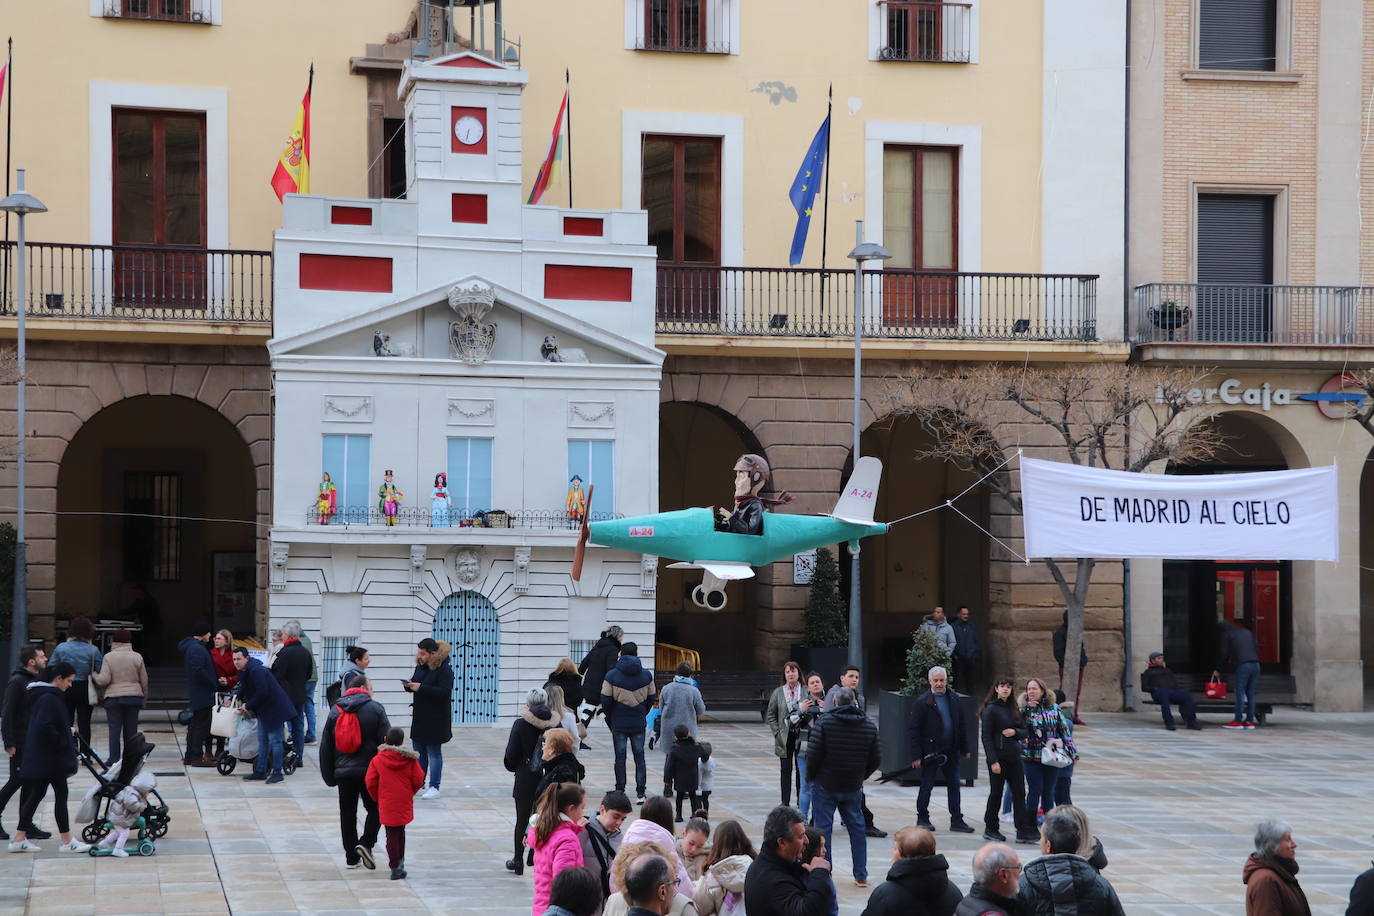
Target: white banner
1075	511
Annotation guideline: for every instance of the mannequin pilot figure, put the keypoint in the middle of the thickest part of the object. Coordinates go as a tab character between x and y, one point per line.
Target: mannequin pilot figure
751	474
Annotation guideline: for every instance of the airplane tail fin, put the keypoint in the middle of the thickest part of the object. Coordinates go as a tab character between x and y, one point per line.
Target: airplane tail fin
860	493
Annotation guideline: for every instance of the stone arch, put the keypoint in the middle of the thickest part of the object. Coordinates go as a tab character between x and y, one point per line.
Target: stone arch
158	455
698	444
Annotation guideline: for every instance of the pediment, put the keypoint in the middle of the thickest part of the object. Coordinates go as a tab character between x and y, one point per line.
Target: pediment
418	327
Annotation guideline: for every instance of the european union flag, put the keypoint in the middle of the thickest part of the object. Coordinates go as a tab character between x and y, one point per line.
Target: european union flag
804	187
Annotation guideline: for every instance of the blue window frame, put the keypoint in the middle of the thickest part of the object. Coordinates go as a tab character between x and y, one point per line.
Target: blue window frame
469	475
594	461
348	459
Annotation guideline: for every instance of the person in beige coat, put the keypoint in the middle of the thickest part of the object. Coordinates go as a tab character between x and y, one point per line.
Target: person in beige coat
124	682
619	905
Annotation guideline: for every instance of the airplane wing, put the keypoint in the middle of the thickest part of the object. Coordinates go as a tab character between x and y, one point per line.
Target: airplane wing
721	569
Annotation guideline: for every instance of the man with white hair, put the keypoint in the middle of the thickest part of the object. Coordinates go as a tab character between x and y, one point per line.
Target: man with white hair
292	671
938	740
996	876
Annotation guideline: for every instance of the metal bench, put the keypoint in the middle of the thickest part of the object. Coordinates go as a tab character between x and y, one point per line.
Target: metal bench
731	691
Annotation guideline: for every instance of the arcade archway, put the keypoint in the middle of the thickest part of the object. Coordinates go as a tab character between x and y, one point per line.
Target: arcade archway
157	503
697	446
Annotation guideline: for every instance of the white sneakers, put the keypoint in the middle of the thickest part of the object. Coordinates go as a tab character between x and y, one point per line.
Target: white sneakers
431	792
119	853
24	846
74	846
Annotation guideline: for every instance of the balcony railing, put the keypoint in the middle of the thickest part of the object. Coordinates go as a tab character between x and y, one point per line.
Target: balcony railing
927	30
422	517
125	282
916	304
197	11
1254	314
689	26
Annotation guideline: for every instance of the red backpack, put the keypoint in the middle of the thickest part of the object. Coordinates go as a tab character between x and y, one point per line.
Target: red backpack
348	732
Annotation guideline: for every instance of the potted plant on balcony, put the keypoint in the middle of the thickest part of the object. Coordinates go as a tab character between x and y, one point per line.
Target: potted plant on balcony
825	622
1169	316
894	711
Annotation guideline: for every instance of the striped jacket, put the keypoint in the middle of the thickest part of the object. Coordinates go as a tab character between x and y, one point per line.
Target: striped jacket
627	694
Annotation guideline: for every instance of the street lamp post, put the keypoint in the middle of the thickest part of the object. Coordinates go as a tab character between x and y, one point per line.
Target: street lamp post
22	203
863	251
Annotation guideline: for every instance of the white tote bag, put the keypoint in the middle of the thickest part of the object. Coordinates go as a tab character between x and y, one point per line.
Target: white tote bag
224	721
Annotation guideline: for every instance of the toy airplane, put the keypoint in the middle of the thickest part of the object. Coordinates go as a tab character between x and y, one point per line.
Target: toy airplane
723	556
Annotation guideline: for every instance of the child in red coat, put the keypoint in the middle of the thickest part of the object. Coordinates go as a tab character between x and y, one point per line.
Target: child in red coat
393	778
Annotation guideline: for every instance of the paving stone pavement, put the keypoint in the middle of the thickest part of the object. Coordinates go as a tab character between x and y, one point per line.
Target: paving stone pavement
1175	811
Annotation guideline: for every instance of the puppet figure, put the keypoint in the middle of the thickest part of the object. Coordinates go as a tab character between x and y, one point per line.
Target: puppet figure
751	474
577	500
327	503
438	502
389	499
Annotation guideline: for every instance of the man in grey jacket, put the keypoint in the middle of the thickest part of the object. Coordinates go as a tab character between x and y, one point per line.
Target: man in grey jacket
944	633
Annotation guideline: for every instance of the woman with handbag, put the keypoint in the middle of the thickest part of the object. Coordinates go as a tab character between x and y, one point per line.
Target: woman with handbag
1047	748
124	679
784	712
85	658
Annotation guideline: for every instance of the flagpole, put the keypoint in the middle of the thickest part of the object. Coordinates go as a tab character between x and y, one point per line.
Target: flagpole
825	205
567	89
9	133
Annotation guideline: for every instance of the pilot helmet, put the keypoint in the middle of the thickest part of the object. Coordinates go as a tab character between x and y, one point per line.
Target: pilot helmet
755	465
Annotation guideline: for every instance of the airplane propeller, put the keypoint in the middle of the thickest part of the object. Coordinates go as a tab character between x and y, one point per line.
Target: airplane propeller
582	536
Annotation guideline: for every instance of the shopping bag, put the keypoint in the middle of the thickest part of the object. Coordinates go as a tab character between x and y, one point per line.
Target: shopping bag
224	721
244	744
1215	689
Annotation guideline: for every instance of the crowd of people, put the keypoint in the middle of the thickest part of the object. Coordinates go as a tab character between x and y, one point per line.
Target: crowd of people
641	852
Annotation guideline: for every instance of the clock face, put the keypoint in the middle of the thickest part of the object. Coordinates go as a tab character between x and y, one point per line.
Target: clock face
468	130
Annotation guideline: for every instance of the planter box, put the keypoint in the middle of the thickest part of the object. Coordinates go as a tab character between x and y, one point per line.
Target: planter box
894	711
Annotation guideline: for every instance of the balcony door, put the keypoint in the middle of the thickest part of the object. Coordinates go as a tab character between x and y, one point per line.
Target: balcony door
920	228
1235	267
159	209
681	192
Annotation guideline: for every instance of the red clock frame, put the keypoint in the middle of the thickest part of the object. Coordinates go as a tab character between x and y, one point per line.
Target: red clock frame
458	111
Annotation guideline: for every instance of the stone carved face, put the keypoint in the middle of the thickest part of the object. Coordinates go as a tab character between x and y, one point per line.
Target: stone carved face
467	566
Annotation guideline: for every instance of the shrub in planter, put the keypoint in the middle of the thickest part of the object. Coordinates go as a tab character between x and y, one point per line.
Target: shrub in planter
925	653
825	622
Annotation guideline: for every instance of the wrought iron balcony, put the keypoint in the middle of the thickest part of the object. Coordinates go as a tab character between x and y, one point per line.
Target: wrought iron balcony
423	517
927	30
113	282
197	11
1254	314
914	304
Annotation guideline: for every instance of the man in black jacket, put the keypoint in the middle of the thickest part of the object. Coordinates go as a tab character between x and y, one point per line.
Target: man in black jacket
842	752
14	721
291	668
595	664
937	738
918	881
776	883
201	683
1158	681
996	874
347	768
1238	647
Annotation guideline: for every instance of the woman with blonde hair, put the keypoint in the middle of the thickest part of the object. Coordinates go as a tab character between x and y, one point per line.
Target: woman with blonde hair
560	763
557	705
1089	846
617	905
1046	727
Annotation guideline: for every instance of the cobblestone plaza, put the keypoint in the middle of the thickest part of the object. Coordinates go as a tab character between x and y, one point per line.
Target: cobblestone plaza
1175	812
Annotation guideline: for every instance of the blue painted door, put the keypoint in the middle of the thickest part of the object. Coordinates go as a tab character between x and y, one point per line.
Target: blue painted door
468	622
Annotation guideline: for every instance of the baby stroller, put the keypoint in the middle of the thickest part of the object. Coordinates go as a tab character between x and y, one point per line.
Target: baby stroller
95	807
244	746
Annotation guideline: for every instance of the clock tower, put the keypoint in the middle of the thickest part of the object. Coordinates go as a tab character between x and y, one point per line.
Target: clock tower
463	147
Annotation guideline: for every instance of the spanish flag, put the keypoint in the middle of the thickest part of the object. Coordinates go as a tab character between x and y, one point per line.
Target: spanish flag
551	170
293	168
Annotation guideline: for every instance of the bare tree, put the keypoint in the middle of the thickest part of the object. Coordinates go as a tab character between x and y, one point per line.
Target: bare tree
1363	413
1105	415
9	375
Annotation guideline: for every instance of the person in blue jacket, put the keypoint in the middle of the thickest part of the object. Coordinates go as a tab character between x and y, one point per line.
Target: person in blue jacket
49	757
201	683
265	699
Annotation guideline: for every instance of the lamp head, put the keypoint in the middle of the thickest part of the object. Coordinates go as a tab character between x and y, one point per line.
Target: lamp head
869	251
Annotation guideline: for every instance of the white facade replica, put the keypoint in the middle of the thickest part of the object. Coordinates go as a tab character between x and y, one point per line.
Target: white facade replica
460	331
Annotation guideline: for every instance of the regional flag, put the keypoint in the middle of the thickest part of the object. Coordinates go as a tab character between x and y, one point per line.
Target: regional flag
4	72
552	169
804	187
293	168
